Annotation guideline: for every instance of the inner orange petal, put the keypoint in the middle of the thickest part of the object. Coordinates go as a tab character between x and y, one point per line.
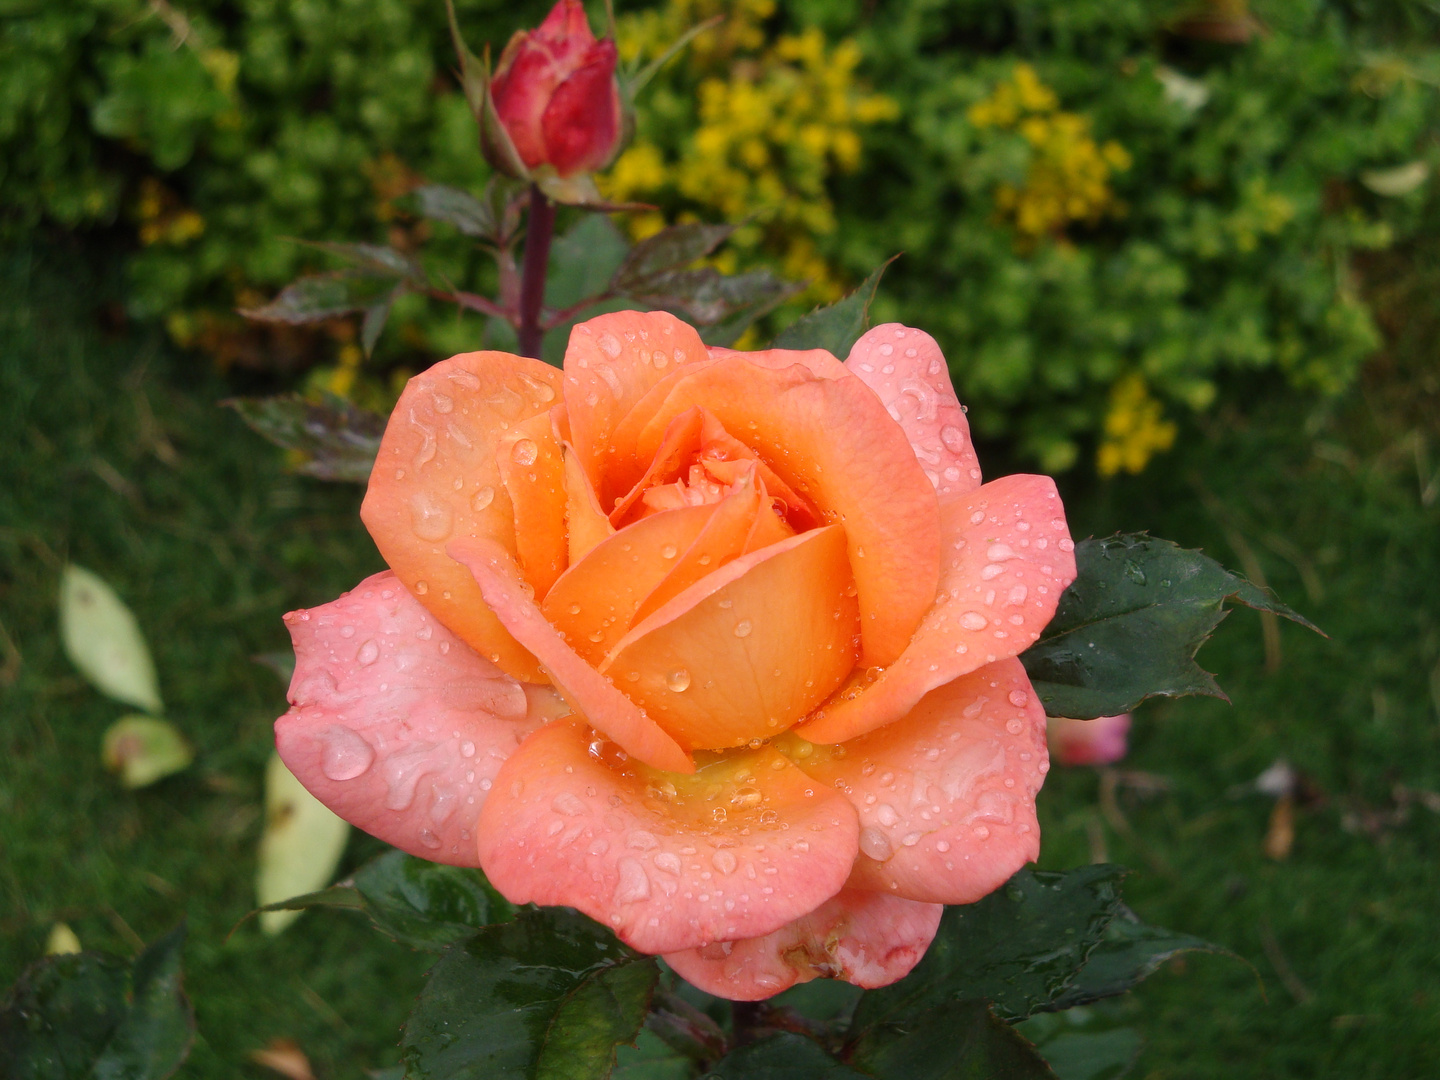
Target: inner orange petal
533	471
747	651
593	603
834	443
436	477
585	523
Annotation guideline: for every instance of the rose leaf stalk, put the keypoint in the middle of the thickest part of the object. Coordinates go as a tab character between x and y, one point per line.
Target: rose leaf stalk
538	233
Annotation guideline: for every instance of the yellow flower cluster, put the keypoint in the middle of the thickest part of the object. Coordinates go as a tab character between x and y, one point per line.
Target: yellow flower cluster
162	219
1135	428
773	125
1068	178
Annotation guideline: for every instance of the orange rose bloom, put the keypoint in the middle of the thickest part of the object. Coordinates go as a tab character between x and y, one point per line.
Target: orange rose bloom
717	647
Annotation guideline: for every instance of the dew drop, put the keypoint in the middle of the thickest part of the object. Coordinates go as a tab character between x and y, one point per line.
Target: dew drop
1014	727
429	839
482	498
724	861
678	680
1019	698
346	754
875	844
524	452
886	814
467	749
743	628
421	588
430	520
368	653
668	861
633	885
973	620
567	803
668	551
953	438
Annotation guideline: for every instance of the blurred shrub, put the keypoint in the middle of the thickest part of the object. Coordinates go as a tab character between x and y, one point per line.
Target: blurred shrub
1105	205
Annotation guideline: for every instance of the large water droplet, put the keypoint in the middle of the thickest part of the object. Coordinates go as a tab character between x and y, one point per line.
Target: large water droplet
641	840
724	861
678	680
875	844
429	519
1019	698
524	452
482	498
668	861
668	551
743	628
429	839
634	884
346	754
368	653
973	620
953	438
568	803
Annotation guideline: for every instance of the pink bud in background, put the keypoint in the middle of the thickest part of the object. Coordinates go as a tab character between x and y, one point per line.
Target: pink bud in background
556	95
1101	741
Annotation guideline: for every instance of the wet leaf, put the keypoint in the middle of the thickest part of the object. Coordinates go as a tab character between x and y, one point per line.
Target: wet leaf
1092	1055
422	904
94	1016
1130	624
547	997
324	296
372	259
583	260
1019	947
300	847
339	441
1128	952
143	749
837	327
960	1041
785	1056
651	1059
670	249
374	322
104	641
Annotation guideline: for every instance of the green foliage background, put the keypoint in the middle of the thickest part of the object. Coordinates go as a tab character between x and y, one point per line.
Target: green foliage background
1231	248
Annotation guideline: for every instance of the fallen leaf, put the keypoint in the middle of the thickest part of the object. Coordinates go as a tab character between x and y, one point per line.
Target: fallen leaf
300	848
143	749
1280	836
104	641
285	1057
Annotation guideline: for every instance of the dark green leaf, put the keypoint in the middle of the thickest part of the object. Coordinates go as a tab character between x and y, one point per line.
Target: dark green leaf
583	260
1019	947
651	1059
959	1041
669	249
323	296
546	997
785	1056
98	1017
154	1036
837	327
1129	952
1129	626
472	216
421	904
338	440
371	259
374	322
1092	1055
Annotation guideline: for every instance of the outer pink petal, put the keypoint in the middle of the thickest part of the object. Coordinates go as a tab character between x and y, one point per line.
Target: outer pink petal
396	724
1006	556
906	368
587	691
650	856
864	938
947	795
581	124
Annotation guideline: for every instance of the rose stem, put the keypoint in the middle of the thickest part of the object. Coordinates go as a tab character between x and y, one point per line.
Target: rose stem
538	231
745	1018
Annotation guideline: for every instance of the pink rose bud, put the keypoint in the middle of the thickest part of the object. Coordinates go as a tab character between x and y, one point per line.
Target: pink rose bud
1088	742
556	95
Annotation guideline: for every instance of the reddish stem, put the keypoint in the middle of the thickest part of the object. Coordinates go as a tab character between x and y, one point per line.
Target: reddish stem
538	232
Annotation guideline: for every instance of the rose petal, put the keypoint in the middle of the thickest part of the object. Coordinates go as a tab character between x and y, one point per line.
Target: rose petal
947	795
723	539
526	77
588	692
581	124
680	443
533	470
820	362
611	582
648	856
832	441
1006	558
748	650
585	523
906	368
396	724
444	432
865	938
611	361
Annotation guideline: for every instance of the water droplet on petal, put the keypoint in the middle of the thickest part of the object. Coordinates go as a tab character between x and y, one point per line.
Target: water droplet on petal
742	628
678	680
346	755
368	653
429	519
633	885
567	803
973	620
724	861
875	844
482	498
1019	698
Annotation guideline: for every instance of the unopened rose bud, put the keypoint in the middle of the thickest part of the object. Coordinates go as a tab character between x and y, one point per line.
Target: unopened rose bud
1088	742
556	96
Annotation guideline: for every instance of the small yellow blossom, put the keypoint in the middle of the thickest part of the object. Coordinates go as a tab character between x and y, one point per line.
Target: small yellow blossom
1135	428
